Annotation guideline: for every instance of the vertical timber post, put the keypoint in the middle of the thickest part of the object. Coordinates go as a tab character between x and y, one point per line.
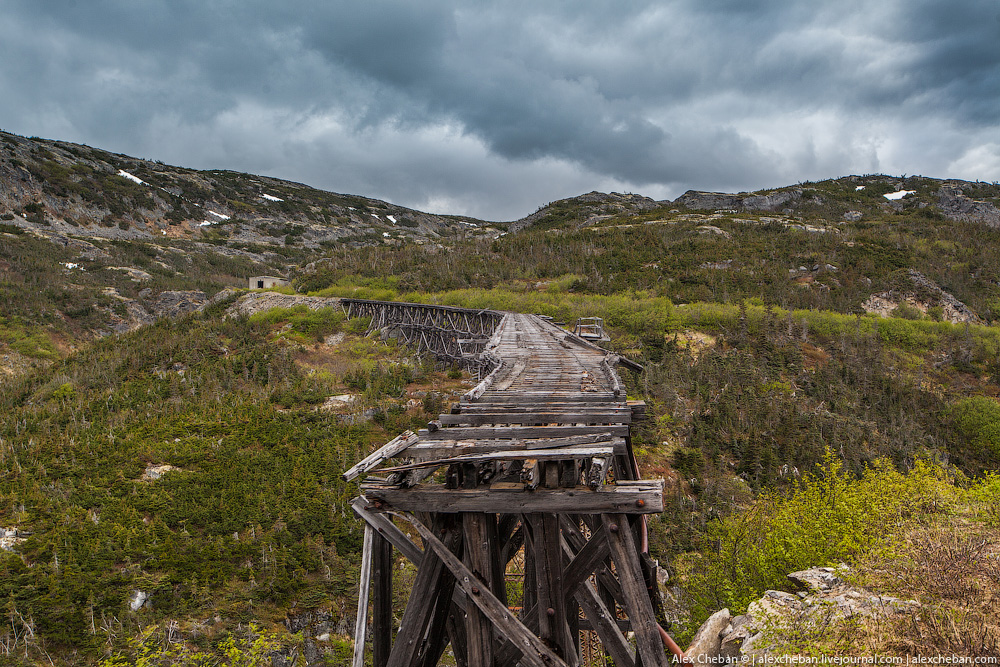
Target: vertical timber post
361	624
382	601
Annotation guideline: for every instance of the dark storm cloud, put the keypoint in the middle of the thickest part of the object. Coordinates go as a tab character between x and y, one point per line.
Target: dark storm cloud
495	108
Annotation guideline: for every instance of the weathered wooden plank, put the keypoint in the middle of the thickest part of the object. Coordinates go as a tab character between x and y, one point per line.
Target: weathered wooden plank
485	406
390	449
586	560
606	499
382	570
534	652
547	555
581	452
637	603
423	609
479	555
605	624
440	449
361	622
519	432
486	418
388	530
540	399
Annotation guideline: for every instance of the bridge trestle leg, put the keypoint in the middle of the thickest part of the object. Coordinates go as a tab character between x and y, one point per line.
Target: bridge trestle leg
459	596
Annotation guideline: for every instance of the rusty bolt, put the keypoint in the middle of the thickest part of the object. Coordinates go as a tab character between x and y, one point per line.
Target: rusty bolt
475	590
613	528
640	503
550	611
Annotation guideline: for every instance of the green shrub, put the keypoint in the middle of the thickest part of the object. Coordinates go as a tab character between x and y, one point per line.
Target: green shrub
977	419
827	518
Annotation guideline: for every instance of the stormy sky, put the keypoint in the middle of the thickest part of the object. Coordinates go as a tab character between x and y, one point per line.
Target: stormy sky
491	109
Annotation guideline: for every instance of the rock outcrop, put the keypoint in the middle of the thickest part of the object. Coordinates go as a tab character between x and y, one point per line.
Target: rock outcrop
915	290
957	206
716	201
255	302
770	621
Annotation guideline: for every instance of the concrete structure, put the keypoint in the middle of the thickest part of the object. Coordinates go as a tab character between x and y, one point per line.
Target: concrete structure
266	282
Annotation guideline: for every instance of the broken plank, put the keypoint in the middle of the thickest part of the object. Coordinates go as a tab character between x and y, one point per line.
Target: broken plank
579	452
390	449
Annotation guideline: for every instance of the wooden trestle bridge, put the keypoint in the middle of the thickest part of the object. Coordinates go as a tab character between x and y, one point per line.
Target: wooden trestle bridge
533	470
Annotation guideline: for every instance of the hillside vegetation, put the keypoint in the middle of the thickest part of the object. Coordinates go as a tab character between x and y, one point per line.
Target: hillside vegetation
822	373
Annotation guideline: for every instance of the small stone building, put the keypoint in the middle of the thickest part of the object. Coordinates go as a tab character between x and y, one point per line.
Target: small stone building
266	282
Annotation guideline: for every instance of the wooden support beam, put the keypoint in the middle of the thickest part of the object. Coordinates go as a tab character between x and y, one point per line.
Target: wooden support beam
578	452
520	432
480	556
644	499
603	621
382	569
637	603
586	560
552	623
534	651
512	546
608	584
361	622
387	529
423	609
440	449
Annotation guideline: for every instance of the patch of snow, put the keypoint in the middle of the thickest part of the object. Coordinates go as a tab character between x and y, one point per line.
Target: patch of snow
385	234
467	224
163	231
899	195
376	217
272	198
391	219
203	224
134	179
70	265
351	208
219	215
860	187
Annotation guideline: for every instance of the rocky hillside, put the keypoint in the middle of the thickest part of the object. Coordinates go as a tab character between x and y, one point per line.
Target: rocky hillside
73	189
856	198
585	210
847	199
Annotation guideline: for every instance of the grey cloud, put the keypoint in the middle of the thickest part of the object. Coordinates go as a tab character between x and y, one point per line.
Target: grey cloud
661	95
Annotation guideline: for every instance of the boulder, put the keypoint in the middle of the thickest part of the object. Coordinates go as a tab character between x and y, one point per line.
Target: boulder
707	641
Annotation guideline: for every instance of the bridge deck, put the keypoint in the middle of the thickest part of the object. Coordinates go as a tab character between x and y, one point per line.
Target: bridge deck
551	415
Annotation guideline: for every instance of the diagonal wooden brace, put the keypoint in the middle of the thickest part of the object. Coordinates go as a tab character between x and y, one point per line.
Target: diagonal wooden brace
534	652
